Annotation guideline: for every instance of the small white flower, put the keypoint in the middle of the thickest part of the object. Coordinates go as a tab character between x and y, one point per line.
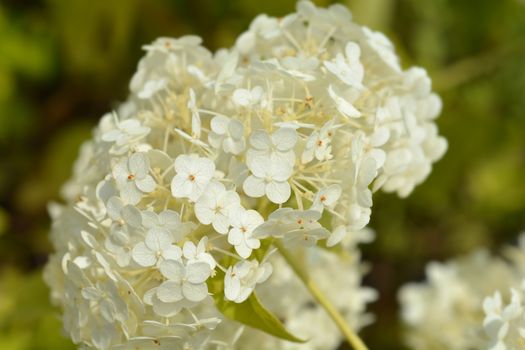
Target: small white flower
241	279
184	282
326	197
132	178
349	69
227	134
249	98
167	219
269	177
125	132
122	214
343	106
244	222
215	206
193	175
293	226
198	253
280	145
156	247
318	144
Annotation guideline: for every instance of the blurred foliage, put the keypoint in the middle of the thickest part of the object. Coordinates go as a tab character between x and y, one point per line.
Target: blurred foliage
64	63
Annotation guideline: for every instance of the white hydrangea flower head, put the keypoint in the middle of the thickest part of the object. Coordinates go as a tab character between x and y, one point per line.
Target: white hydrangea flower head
177	202
475	301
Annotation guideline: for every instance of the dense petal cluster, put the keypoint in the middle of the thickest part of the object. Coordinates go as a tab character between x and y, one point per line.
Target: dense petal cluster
466	304
283	136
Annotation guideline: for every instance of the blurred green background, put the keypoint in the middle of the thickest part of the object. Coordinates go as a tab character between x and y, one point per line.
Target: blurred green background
64	63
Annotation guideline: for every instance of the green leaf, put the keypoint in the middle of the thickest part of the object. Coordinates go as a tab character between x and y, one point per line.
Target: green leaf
250	312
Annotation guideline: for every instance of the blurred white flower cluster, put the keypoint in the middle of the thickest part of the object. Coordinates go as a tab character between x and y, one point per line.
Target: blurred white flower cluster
473	302
182	190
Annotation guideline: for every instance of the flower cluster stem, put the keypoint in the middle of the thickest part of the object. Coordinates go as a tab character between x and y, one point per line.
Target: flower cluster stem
332	311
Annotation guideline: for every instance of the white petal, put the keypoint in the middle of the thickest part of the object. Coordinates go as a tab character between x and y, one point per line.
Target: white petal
204	168
183	163
367	172
138	165
243	250
215	140
132	216
143	256
336	236
353	51
121	172
343	106
181	187
241	97
130	193
172	252
169	291
219	124
173	270
198	272
203	211
235	236
261	165
221	223
189	250
113	208
235	128
244	294
112	135
284	139
232	286
260	140
253	219
149	219
278	192
194	292
254	187
147	184
158	239
280	171
169	219
380	136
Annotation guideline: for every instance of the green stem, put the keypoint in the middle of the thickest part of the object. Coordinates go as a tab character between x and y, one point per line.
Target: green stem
332	311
